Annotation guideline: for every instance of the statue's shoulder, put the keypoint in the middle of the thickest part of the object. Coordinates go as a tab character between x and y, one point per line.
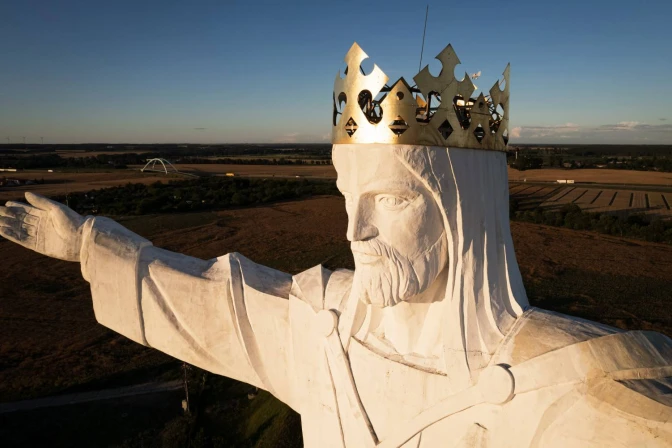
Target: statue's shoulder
322	288
539	331
629	370
544	338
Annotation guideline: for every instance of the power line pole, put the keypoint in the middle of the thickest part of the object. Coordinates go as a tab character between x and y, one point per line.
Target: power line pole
42	140
422	49
185	406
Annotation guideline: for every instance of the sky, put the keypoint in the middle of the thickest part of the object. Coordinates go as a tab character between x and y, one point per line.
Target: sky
147	71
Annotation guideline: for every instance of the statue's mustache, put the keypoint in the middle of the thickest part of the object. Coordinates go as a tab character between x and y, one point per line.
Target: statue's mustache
372	247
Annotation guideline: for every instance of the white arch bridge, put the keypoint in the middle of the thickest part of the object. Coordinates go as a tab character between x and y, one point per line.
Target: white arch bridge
166	166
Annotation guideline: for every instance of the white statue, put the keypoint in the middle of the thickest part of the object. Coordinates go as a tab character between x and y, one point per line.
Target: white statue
429	342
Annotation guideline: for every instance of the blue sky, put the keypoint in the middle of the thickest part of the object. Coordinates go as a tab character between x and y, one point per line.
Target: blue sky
217	71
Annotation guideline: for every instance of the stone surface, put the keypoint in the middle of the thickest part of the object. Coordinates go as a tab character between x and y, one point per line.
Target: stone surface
429	342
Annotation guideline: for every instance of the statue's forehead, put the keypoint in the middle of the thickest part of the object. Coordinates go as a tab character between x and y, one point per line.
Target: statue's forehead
371	166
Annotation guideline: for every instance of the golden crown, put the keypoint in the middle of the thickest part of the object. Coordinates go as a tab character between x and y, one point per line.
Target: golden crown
437	111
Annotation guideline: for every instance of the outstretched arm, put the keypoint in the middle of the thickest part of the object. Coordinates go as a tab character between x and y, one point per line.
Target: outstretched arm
227	315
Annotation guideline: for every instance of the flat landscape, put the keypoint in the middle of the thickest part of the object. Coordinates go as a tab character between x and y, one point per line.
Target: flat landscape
597	176
81	153
61	183
310	171
619	192
619	202
51	344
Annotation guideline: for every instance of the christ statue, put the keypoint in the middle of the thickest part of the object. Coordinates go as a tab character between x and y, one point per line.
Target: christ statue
429	342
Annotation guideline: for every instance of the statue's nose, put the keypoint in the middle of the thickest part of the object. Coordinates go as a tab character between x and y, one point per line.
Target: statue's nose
360	223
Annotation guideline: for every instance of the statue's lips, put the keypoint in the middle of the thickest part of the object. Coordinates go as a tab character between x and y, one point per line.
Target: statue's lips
365	257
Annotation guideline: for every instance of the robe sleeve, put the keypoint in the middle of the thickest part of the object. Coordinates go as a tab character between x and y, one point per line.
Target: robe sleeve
227	315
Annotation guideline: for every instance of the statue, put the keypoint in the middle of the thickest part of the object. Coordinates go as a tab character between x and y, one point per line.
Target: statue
431	340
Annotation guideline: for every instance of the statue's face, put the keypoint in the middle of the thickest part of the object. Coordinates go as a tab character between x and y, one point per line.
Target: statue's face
394	224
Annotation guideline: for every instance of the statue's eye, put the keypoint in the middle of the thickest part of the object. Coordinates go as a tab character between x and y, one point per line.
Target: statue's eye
391	202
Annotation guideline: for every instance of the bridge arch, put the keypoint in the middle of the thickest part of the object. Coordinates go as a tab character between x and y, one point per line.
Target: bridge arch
166	165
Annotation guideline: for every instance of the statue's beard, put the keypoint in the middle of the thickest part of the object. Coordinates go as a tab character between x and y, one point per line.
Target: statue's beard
393	278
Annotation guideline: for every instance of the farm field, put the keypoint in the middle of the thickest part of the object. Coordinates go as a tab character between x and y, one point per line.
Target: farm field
50	342
655	204
60	183
312	171
598	176
620	201
279	155
79	153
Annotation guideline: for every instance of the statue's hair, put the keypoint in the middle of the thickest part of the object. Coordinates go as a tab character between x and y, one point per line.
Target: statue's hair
485	292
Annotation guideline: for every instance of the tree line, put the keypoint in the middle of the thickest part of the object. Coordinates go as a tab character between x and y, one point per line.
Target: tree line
121	161
570	216
643	163
201	194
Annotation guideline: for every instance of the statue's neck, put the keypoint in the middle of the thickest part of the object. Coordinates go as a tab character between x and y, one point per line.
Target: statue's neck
412	327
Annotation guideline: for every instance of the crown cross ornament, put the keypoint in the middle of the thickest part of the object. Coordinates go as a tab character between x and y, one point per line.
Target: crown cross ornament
436	111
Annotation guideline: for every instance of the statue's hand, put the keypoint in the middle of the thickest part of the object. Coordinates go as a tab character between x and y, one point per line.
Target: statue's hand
44	226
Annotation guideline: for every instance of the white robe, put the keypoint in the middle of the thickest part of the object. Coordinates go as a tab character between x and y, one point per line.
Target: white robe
599	387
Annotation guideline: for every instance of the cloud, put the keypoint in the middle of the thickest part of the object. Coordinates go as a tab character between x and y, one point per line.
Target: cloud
655	127
200	129
545	131
298	137
635	126
624	131
622	126
292	137
663	119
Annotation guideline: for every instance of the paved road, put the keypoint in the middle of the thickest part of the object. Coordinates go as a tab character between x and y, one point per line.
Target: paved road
83	397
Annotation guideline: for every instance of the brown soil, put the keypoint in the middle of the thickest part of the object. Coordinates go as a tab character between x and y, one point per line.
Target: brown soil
620	282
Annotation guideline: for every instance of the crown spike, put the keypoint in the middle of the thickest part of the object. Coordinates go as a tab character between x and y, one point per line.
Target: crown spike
428	83
495	93
465	87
